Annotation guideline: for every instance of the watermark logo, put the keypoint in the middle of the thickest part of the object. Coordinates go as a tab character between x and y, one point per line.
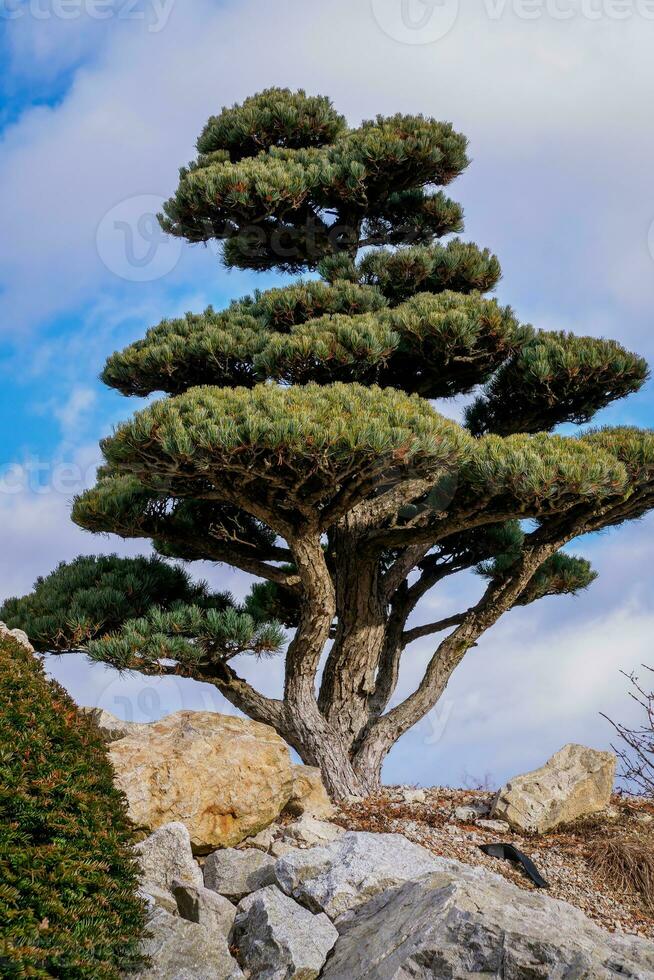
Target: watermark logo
131	243
134	698
416	21
153	13
436	721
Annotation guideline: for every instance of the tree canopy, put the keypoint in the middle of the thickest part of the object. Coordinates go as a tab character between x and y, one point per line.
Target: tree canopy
298	440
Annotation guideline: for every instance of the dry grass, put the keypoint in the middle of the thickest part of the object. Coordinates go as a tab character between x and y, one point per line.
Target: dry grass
627	863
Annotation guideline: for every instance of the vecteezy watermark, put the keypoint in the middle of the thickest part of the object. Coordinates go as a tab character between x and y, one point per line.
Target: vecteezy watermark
416	21
45	477
437	720
153	13
563	10
131	243
427	21
132	697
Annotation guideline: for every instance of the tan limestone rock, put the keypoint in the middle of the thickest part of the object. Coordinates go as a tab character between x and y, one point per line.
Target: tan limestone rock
575	782
224	778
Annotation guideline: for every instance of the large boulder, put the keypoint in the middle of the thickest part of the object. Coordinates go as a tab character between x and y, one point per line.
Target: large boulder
462	922
309	796
165	856
278	939
225	778
351	870
181	950
575	782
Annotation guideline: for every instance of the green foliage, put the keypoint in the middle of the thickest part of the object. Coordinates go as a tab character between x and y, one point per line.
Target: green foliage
276	117
284	183
561	574
193	637
556	378
316	438
457	266
435	345
68	904
89	596
531	474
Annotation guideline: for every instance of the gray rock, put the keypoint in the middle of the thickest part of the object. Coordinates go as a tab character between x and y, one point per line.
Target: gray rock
201	905
414	796
496	826
471	812
466	814
351	870
264	840
457	923
158	897
235	874
280	848
165	855
311	832
182	950
277	939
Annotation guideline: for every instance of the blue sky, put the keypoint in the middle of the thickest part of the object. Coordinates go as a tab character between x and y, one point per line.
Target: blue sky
96	115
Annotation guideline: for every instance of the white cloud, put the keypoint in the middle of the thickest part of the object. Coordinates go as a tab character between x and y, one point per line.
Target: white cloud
554	110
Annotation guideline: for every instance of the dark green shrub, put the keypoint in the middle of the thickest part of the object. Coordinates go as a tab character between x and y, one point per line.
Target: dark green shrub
92	595
68	903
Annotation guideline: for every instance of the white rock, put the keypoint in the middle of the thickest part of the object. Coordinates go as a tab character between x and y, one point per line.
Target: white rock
575	782
278	939
414	796
204	906
235	874
496	826
311	832
458	922
352	869
112	728
182	950
20	636
165	855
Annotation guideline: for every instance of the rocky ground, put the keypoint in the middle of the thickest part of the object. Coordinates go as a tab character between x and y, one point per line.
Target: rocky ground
565	857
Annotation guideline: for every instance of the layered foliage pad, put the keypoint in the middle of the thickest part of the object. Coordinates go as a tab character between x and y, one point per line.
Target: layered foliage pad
85	603
68	879
90	596
298	448
196	639
285	182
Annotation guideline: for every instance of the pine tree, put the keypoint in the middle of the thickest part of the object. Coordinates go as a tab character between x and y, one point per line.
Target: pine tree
298	442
